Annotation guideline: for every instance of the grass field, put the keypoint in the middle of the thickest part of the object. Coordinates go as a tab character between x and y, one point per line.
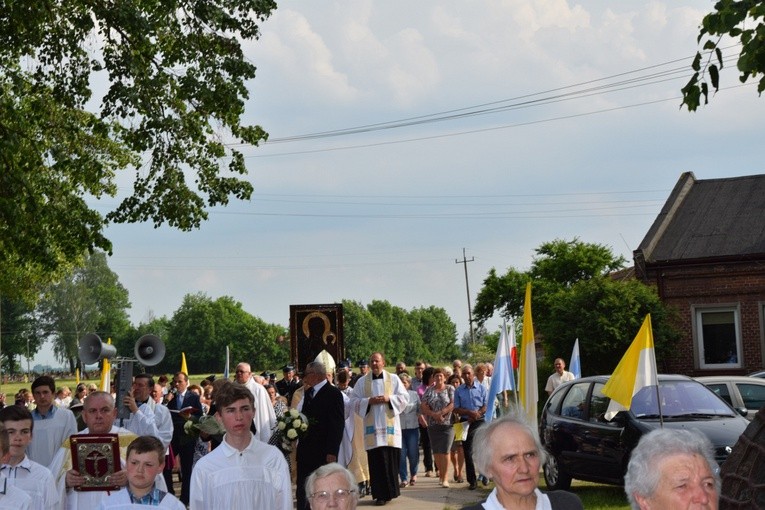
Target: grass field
595	496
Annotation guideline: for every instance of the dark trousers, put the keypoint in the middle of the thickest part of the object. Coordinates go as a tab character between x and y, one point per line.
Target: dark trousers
427	452
467	446
185	454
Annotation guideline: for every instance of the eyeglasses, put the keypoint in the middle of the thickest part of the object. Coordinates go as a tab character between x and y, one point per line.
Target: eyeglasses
325	496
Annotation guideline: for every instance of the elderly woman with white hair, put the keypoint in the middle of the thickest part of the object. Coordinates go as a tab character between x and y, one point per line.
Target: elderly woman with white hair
508	451
672	469
331	486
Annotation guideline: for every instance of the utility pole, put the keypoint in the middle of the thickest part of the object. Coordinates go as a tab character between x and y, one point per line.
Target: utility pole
464	262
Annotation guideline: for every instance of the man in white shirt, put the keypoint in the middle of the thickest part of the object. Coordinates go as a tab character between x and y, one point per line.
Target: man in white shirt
18	469
559	376
147	418
265	417
53	425
242	472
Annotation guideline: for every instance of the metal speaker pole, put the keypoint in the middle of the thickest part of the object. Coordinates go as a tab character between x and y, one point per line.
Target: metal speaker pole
91	349
149	350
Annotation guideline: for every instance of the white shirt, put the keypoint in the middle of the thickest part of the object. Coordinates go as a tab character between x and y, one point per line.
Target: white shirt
556	380
50	433
35	480
150	420
256	477
120	500
13	498
265	417
492	502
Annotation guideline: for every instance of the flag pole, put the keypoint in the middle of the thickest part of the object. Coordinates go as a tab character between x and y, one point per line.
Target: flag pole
514	371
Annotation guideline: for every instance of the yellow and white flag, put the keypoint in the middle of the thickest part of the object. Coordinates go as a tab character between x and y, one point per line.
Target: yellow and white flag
635	371
106	373
528	388
184	368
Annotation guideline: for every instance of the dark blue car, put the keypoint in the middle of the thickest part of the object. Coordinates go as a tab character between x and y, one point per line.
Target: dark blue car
583	445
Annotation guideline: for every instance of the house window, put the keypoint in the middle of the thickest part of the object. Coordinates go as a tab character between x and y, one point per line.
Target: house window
718	337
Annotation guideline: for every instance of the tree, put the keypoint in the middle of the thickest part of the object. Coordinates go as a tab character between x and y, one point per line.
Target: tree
169	81
438	335
18	333
558	264
202	328
575	296
89	300
736	19
423	333
363	333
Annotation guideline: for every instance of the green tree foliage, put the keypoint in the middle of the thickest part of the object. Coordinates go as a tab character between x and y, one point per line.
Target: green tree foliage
19	333
437	335
422	333
89	89
574	296
89	300
202	328
362	332
742	20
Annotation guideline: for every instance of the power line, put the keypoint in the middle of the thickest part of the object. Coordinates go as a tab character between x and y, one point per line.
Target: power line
521	101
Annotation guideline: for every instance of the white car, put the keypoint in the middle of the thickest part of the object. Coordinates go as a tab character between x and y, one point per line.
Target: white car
739	391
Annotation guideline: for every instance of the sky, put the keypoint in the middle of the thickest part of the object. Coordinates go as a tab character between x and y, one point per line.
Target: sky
484	126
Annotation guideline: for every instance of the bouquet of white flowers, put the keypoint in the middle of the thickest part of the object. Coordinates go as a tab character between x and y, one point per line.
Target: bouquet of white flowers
292	425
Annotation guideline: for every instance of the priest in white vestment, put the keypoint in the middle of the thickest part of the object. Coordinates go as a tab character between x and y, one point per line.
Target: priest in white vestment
379	398
265	417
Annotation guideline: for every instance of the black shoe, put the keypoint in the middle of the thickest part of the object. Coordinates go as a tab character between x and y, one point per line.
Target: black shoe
484	481
380	502
472	486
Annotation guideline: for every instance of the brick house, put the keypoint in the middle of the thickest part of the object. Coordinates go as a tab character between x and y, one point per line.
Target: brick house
705	253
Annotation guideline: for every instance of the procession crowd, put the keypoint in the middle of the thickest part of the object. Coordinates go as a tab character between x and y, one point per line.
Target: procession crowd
333	434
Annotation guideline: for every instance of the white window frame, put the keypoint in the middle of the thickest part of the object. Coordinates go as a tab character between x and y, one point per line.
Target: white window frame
698	336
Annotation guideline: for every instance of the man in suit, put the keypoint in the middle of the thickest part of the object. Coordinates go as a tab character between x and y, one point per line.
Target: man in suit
324	407
182	444
287	385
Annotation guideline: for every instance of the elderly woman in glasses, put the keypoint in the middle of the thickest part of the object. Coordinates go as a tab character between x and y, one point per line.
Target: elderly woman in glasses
509	452
332	486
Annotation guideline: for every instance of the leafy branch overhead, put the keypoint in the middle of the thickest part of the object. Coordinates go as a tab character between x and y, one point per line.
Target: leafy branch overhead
92	89
742	20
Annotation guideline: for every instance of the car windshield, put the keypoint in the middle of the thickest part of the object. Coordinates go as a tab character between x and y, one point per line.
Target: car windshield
679	399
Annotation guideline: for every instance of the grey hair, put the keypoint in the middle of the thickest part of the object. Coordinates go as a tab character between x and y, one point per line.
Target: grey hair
482	441
642	477
318	367
327	470
405	377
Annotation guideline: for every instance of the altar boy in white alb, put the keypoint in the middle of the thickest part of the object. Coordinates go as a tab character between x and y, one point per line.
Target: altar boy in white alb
242	472
53	425
18	469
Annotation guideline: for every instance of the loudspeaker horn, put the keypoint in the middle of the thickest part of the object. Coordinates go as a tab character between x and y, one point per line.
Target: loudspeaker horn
91	349
149	350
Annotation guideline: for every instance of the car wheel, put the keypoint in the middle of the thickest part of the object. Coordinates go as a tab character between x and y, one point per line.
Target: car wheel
555	477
